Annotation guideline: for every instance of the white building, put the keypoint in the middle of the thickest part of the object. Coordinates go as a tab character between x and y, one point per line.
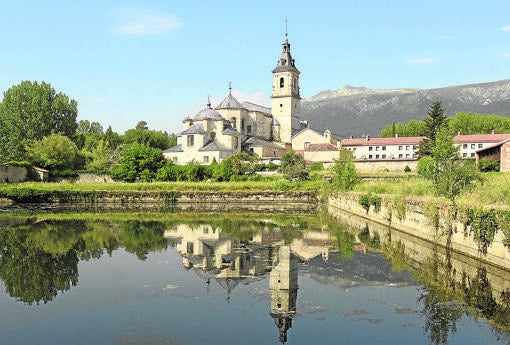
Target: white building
367	148
469	144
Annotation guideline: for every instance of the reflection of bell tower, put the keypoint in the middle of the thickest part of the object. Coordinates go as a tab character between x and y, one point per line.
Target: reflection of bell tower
283	285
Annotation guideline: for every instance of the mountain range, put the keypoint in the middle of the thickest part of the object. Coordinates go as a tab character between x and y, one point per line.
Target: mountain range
361	111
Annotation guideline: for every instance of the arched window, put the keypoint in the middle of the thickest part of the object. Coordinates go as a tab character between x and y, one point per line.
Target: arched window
281	82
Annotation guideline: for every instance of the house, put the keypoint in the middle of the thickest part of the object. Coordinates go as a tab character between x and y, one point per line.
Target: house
325	152
470	144
499	152
377	154
308	136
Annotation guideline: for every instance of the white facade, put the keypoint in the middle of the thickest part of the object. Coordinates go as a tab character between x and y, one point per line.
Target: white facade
383	148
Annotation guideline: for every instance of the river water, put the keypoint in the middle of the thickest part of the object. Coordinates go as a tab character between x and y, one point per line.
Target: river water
188	278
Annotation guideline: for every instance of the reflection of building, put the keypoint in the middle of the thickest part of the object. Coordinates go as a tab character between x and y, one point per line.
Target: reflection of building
213	255
283	285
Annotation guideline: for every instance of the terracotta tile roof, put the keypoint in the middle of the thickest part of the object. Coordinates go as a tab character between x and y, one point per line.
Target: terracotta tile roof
321	147
480	138
493	145
382	141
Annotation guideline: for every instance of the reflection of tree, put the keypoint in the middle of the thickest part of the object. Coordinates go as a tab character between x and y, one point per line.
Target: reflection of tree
344	243
29	273
440	315
142	237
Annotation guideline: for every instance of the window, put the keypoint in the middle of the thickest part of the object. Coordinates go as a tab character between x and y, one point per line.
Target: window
376	156
306	143
206	159
464	154
282	82
400	155
384	148
248	129
383	156
415	147
189	247
415	155
369	156
472	154
191	140
174	159
472	146
407	155
464	146
408	147
370	148
242	124
480	146
377	148
234	122
205	230
400	148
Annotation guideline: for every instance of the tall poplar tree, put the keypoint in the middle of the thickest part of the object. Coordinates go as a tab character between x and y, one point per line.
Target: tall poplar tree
30	111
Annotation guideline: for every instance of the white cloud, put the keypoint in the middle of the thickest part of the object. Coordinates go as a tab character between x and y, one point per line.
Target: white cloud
505	28
257	98
146	23
422	61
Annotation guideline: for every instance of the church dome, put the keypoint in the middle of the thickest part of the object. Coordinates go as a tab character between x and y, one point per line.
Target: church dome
207	114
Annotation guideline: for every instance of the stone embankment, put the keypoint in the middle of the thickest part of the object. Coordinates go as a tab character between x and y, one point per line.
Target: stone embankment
274	201
412	218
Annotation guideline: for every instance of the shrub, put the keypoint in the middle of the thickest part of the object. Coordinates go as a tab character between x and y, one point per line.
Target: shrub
426	167
487	164
407	169
345	176
317	166
293	166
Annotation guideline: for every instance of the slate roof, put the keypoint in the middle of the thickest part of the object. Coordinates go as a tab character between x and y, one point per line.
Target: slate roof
255	107
230	131
196	128
230	102
212	146
207	114
176	148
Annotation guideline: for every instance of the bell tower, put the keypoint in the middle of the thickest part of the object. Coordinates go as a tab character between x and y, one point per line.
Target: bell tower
285	99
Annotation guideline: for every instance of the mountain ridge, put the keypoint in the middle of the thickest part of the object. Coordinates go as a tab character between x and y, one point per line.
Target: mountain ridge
359	110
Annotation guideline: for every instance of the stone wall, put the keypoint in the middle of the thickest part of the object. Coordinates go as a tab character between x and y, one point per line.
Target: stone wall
12	174
397	165
415	222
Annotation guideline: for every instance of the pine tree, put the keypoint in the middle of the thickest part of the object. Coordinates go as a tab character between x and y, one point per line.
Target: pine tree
433	123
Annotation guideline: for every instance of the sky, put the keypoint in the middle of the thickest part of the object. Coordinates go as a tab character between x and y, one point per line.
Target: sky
159	61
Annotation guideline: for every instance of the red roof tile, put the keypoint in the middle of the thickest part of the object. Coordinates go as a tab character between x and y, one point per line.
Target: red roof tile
321	147
480	138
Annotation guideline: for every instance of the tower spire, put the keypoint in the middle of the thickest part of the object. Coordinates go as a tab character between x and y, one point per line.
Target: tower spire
286	32
229	88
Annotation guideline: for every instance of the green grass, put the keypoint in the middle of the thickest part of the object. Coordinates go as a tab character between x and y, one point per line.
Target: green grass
493	192
277	184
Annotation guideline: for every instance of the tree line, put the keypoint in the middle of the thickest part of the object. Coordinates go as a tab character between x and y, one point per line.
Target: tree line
38	126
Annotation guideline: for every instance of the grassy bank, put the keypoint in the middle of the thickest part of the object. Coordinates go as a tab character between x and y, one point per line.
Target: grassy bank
493	192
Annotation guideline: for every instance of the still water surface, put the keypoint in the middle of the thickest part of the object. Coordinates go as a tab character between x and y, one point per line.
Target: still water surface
206	279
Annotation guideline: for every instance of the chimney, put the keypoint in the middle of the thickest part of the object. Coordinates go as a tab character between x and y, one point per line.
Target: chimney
396	135
351	136
368	137
458	132
492	132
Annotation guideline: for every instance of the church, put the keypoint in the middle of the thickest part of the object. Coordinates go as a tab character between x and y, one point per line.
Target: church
233	126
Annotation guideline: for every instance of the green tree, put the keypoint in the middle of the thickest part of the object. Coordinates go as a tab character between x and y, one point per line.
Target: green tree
55	152
451	174
344	171
238	164
138	162
30	111
435	121
293	166
141	126
100	157
148	137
